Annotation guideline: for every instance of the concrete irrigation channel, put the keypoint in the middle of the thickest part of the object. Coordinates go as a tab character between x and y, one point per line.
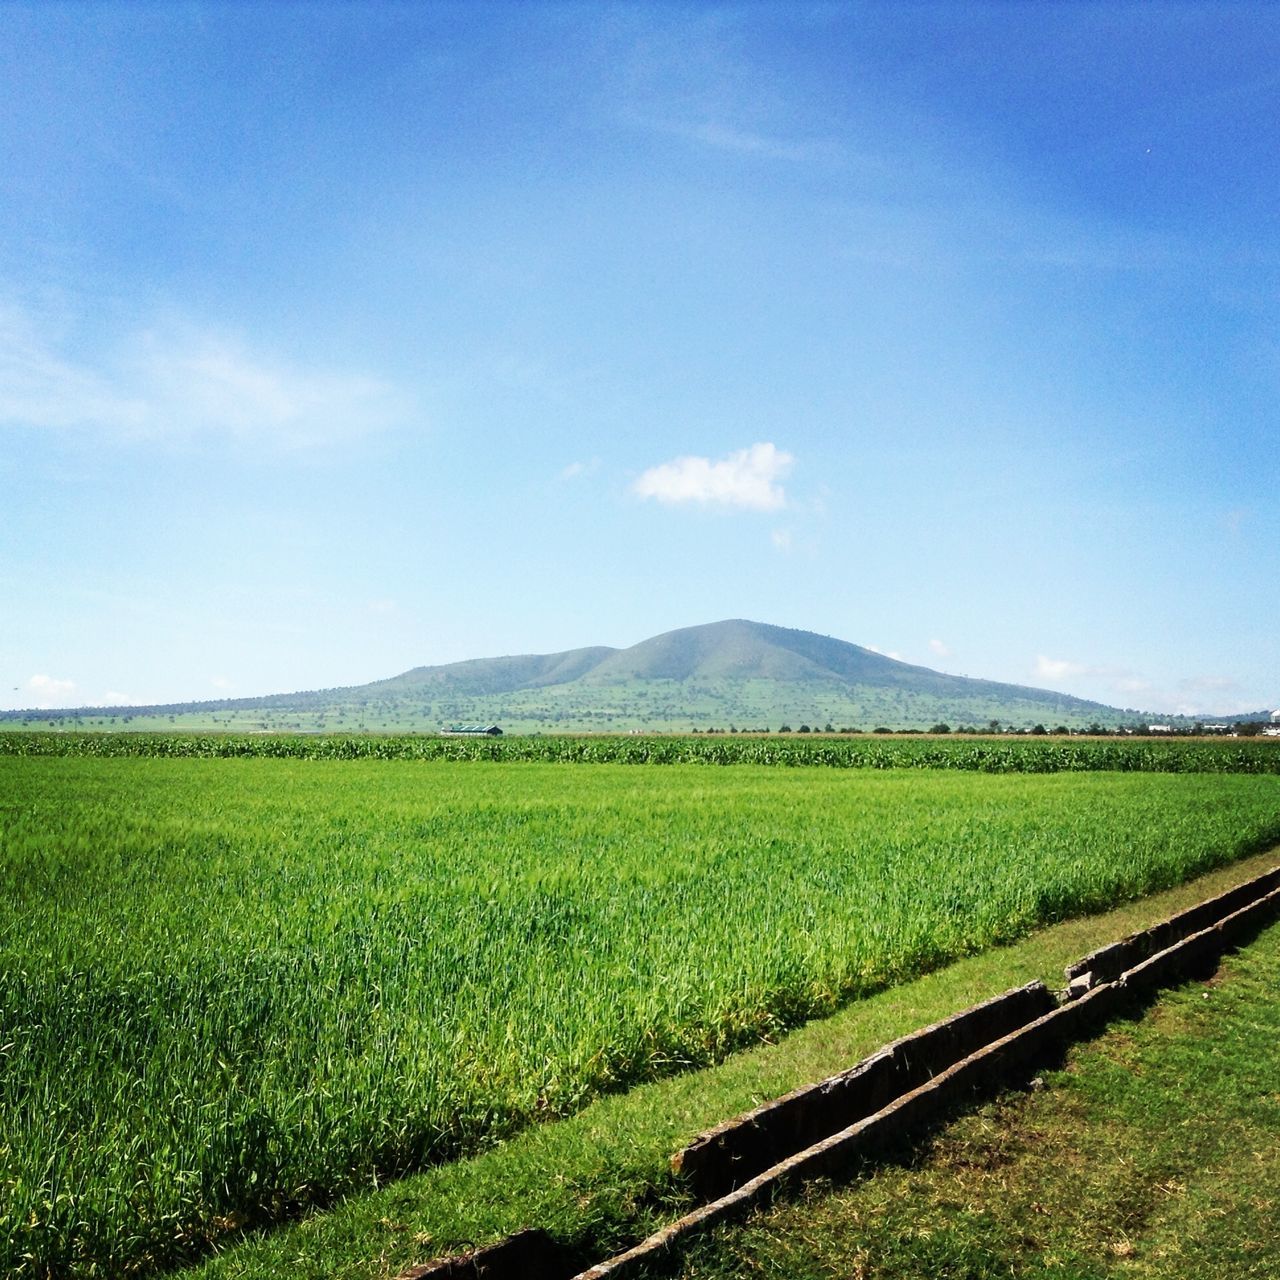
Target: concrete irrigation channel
824	1128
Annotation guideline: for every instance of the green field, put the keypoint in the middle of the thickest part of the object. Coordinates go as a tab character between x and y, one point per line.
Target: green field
232	988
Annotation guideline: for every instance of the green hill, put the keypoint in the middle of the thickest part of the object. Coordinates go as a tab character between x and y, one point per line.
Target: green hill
739	674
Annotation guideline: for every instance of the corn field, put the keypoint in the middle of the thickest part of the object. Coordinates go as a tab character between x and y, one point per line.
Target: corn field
1018	754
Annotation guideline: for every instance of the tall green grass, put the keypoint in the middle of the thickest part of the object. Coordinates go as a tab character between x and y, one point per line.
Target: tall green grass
233	988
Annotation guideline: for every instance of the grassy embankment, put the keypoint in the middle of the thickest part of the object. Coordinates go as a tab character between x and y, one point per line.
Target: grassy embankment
1152	1153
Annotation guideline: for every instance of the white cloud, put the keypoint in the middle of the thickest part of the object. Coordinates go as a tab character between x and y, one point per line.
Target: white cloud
114	698
1058	668
937	647
48	691
1119	686
1210	684
182	384
1207	695
222	683
885	653
747	479
1131	684
782	539
1108	683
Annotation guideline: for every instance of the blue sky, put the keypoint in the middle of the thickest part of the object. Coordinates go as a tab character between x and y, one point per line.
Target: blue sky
340	339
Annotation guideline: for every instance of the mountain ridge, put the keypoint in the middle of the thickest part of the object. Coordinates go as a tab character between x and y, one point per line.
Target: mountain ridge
729	673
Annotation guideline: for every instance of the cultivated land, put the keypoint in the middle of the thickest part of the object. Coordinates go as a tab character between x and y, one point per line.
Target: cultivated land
981	755
601	1180
234	988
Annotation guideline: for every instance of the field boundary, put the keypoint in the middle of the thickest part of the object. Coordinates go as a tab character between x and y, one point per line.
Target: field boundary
818	1129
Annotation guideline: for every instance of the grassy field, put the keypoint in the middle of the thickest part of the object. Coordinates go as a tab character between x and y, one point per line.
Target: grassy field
600	1180
1152	1153
234	988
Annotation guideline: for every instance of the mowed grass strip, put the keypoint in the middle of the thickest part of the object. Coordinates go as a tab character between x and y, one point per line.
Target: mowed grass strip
1153	1153
231	990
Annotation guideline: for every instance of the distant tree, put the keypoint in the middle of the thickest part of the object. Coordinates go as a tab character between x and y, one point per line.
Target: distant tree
826	728
785	728
1039	729
940	727
804	728
881	729
1061	730
993	726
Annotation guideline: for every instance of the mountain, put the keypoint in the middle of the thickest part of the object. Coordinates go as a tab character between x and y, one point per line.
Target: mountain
746	675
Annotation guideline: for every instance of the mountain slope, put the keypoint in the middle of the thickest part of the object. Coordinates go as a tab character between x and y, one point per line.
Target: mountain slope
729	650
497	675
731	673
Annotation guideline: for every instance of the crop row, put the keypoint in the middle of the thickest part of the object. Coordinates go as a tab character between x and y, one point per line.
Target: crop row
984	755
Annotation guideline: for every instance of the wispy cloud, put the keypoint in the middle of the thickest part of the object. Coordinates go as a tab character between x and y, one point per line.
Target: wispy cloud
41	387
575	470
1219	695
748	479
886	653
939	648
723	136
1047	668
1063	670
1121	686
695	79
183	384
1200	695
220	387
43	692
